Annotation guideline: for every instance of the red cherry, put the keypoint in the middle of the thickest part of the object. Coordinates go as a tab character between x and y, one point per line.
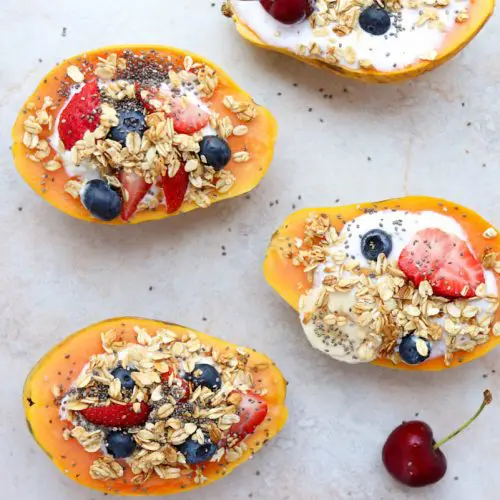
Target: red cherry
412	456
289	11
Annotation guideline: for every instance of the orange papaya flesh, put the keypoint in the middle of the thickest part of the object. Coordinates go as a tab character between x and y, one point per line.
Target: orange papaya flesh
291	282
259	141
462	33
60	366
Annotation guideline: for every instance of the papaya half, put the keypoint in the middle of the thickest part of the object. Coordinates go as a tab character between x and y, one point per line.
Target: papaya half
134	133
71	417
468	23
295	251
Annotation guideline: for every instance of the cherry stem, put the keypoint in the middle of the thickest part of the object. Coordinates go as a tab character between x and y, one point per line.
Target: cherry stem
487	398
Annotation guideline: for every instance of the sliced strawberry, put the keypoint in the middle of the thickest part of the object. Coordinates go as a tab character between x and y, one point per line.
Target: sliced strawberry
152	98
445	261
188	117
115	415
175	189
81	114
181	390
165	376
136	188
252	411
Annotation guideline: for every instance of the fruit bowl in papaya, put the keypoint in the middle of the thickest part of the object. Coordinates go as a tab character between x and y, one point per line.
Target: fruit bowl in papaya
129	134
132	406
409	283
370	40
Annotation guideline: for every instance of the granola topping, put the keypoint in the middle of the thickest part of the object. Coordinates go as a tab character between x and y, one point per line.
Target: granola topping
358	310
333	33
176	415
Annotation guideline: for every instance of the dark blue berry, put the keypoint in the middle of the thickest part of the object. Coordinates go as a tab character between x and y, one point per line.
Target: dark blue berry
410	347
215	151
375	242
205	376
375	21
124	376
120	444
131	120
196	453
101	200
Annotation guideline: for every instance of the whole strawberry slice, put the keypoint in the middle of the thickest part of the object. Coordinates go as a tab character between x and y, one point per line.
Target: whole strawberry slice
175	189
445	261
114	415
136	188
81	114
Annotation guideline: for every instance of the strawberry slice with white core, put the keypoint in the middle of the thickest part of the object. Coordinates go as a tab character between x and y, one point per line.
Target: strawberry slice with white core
188	114
136	188
445	261
252	411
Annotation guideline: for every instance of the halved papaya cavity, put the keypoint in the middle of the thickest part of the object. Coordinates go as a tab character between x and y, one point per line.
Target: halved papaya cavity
153	107
295	266
57	391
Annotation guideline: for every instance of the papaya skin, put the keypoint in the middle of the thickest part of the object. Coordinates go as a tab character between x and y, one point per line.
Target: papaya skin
479	13
64	362
260	140
290	281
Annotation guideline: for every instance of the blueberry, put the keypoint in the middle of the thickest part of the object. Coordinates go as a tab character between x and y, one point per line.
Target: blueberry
124	376
414	349
216	151
375	242
375	21
120	444
196	453
101	200
205	376
130	120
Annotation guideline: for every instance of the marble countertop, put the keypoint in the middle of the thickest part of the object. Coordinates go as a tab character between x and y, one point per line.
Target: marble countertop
340	142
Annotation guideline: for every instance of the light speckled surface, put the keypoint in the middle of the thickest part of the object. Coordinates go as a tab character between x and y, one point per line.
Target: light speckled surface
435	136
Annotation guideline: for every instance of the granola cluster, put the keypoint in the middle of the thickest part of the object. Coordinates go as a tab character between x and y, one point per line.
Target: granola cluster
206	414
161	150
386	304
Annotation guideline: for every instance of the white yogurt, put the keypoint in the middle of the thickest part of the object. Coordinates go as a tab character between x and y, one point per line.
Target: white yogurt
394	50
402	234
345	342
